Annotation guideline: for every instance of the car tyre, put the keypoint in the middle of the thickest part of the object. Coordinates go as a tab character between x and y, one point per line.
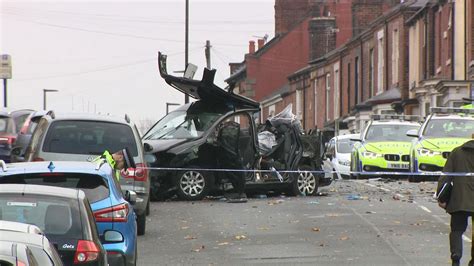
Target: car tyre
193	184
141	224
305	182
148	207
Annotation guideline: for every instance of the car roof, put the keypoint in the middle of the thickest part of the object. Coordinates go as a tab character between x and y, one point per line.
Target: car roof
451	116
39	190
91	117
58	167
20	237
19	227
395	122
347	136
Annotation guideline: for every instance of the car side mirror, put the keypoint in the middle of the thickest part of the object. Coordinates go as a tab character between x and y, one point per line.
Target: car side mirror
113	237
412	133
150	158
131	196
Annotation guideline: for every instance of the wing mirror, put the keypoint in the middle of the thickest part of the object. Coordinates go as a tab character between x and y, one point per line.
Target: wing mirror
113	237
150	158
412	133
147	147
131	196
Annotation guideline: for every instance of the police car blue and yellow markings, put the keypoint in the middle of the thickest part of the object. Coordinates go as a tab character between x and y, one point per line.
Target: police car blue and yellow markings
441	133
388	149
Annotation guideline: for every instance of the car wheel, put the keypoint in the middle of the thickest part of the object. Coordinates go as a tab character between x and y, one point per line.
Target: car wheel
193	184
305	183
141	224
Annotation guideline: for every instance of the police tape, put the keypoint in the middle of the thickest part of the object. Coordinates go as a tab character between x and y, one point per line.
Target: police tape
381	173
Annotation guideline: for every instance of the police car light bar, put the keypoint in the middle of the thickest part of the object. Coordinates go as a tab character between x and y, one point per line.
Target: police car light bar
449	110
395	117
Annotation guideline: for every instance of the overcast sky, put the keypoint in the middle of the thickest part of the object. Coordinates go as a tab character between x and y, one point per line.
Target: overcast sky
101	55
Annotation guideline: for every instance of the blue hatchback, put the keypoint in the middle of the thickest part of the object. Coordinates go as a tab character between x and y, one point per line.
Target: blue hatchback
114	215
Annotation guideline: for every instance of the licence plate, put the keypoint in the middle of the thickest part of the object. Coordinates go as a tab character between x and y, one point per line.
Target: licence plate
398	166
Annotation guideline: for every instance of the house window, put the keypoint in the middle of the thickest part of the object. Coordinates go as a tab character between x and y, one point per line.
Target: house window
395	56
371	72
356	81
349	87
337	93
299	104
271	110
328	88
380	61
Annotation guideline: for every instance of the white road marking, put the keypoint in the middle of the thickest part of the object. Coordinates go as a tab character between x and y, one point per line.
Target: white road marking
424	208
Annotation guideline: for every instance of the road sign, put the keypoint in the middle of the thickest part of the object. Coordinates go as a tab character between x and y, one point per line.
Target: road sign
5	66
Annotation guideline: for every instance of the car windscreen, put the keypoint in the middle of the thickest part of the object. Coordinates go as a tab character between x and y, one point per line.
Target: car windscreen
182	125
94	186
89	137
55	216
445	128
344	145
389	132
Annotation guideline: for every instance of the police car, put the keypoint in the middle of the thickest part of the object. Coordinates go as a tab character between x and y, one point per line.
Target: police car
383	146
443	130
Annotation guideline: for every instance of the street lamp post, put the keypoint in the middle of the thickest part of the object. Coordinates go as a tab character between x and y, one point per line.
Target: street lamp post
44	96
168	105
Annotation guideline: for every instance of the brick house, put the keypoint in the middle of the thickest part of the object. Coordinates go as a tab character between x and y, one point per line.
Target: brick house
441	66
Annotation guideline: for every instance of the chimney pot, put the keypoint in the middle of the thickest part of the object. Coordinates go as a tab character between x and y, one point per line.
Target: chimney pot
251	47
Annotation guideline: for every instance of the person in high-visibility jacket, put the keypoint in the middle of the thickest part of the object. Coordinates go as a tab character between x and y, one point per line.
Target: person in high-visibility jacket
117	161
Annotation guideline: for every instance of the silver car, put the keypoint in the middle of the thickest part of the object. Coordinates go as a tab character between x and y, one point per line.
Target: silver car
82	137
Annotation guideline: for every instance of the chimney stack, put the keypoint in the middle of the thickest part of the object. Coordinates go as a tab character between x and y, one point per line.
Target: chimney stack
261	43
251	47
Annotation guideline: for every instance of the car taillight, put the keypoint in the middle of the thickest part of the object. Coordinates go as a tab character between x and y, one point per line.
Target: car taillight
117	213
86	251
139	173
7	140
20	263
38	159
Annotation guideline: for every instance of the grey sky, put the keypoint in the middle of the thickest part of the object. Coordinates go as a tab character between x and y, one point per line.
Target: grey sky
102	54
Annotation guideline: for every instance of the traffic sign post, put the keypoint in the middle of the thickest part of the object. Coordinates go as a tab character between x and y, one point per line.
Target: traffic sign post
5	73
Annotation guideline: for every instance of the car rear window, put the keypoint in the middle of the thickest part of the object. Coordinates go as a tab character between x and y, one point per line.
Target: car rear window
89	137
94	186
56	216
6	125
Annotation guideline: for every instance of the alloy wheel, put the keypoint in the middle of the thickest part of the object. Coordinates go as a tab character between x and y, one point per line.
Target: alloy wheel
192	183
306	183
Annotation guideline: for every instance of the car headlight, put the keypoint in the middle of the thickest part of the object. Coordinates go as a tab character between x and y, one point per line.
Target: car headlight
426	152
344	162
370	154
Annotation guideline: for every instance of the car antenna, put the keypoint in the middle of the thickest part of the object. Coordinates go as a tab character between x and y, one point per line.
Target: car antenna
3	165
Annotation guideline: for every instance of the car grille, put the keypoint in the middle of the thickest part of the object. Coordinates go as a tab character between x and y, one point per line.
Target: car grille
406	158
392	157
446	154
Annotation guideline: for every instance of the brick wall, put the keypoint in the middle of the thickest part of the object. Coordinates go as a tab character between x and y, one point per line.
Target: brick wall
289	13
365	11
322	36
443	42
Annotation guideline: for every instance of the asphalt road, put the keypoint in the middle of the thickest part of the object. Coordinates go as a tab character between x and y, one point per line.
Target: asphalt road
353	223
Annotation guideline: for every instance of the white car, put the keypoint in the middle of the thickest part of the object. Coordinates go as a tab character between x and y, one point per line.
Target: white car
338	155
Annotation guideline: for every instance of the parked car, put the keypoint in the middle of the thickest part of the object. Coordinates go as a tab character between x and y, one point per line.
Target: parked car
24	244
217	132
383	146
24	136
443	130
115	220
338	155
83	137
64	216
7	135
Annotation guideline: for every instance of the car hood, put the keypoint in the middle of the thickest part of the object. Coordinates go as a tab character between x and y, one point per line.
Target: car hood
204	89
443	144
160	145
385	147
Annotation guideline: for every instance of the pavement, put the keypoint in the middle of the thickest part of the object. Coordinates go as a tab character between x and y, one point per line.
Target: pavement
351	222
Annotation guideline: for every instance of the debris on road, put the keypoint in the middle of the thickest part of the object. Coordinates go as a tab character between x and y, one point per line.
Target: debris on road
190	237
199	249
354	197
240	237
313	202
316	229
344	238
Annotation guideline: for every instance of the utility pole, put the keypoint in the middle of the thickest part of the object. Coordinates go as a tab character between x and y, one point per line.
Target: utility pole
186	97
208	54
5	93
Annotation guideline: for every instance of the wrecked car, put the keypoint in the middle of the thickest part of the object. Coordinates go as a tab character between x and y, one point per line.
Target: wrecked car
193	143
